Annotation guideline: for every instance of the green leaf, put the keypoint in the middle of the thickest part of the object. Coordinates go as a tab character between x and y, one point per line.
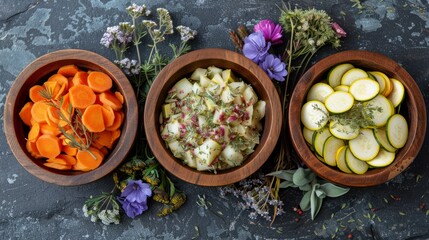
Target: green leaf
315	204
333	190
286	184
283	174
305	201
302	176
305	188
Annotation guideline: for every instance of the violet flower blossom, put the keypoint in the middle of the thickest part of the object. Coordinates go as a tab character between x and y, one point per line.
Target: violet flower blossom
134	198
274	67
255	47
272	33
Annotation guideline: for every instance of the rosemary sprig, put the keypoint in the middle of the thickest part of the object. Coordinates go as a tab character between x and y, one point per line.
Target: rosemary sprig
80	137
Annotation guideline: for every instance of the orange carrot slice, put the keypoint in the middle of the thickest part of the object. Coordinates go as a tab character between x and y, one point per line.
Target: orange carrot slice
117	121
57	166
53	87
70	151
104	139
35	95
38	111
108	116
92	118
70	160
48	146
25	113
47	129
120	97
81	96
80	78
32	149
99	81
109	99
34	133
86	161
68	70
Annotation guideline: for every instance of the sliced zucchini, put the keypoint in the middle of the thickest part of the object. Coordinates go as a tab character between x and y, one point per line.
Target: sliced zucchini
314	115
343	131
343	88
335	74
398	92
383	159
352	75
355	165
319	92
380	79
397	131
381	137
379	110
330	148
364	147
340	158
308	135
320	139
389	87
339	102
364	89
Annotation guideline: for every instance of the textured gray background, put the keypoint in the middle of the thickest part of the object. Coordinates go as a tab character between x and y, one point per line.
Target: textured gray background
32	209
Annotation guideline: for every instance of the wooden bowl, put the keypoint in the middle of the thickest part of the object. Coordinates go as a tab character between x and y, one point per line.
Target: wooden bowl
37	72
183	67
415	113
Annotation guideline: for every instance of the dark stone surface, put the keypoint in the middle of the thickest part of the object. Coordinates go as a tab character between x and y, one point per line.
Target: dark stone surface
32	209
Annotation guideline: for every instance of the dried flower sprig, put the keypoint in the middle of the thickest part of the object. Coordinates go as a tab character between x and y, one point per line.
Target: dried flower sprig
143	166
104	208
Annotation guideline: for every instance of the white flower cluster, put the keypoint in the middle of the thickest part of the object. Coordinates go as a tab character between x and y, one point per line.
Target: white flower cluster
186	33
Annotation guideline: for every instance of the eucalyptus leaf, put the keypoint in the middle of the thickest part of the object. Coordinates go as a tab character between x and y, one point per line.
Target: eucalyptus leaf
300	177
305	187
286	184
283	174
305	201
315	203
333	190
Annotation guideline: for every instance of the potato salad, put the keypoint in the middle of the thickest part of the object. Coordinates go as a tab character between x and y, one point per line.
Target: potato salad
212	120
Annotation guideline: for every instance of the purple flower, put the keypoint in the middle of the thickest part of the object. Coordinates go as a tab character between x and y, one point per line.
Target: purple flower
137	191
338	30
134	198
272	33
274	67
255	47
133	209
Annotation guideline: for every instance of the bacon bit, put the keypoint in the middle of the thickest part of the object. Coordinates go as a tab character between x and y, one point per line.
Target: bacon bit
216	160
222	131
182	115
222	116
164	136
232	118
182	130
246	116
232	136
194	119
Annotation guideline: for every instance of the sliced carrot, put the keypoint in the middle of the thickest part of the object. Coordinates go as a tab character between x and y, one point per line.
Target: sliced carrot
104	150
48	146
63	89
32	149
53	87
70	151
115	135
57	166
86	161
108	116
70	160
117	121
57	160
59	78
92	118
25	113
38	111
109	99
47	129
104	139
68	70
53	115
96	145
34	133
80	78
120	97
35	95
81	96
99	81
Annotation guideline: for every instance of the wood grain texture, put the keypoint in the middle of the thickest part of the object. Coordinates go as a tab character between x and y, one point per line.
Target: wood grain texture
38	71
415	112
183	67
